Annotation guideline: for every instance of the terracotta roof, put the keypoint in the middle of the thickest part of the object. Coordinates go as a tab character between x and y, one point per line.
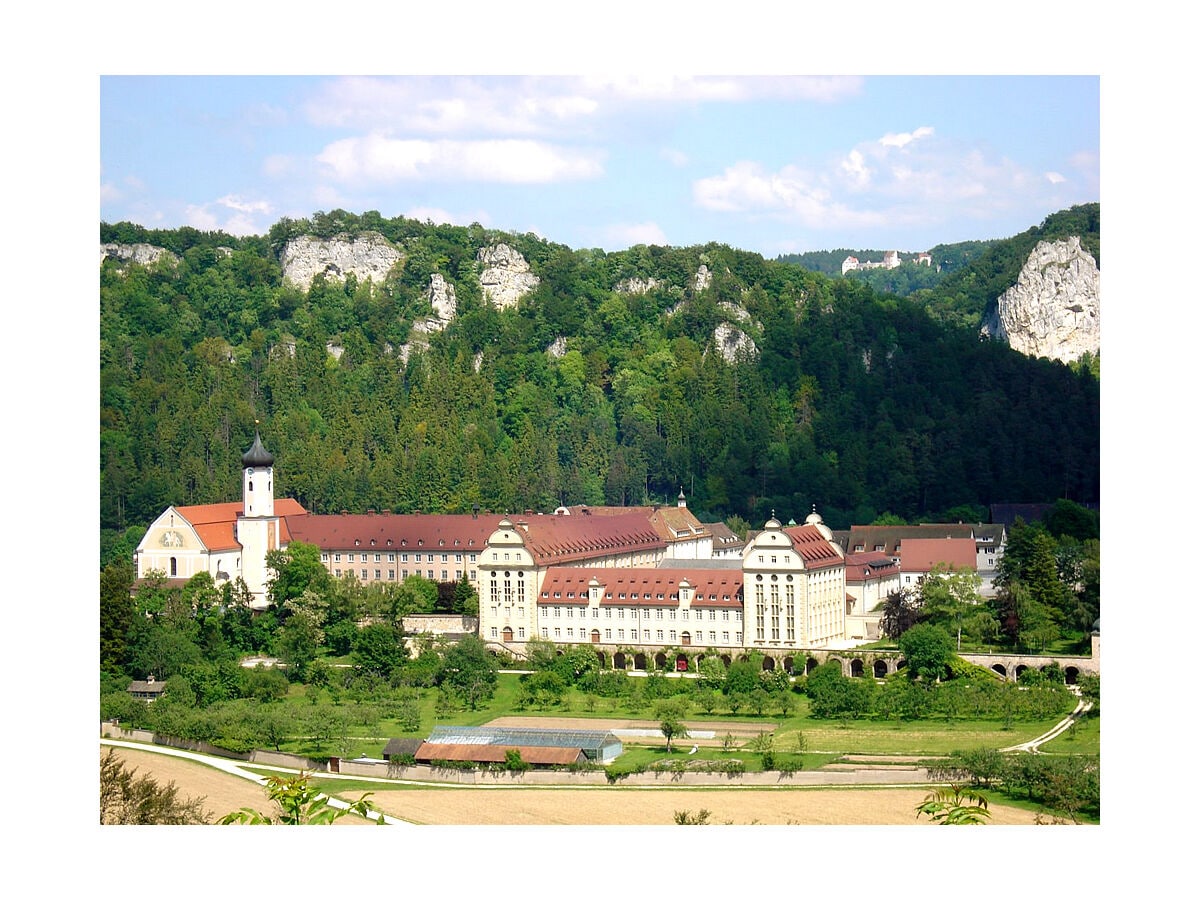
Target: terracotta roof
495	753
566	539
465	533
868	565
642	586
214	522
921	555
672	523
814	548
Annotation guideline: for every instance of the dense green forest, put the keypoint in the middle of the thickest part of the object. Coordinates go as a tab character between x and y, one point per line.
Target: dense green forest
858	402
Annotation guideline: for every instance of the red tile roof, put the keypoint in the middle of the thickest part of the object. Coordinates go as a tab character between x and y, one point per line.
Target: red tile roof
465	533
214	522
922	554
868	565
642	586
557	540
814	548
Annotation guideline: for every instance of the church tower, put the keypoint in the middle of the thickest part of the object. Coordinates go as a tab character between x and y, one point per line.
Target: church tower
258	476
257	526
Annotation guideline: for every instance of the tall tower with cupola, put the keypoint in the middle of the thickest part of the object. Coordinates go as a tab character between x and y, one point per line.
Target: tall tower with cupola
257	527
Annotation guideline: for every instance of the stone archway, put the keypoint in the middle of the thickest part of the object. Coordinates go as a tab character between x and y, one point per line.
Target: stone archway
1017	672
660	660
639	662
619	661
856	668
602	659
768	664
1071	674
727	660
809	665
999	669
879	667
789	664
681	663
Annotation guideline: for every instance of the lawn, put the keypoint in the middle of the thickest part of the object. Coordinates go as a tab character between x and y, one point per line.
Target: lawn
821	739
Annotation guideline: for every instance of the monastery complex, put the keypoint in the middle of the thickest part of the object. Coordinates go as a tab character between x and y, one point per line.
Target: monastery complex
619	578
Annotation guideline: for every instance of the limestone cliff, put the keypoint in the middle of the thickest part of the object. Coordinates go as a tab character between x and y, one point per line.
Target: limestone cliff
1054	308
367	256
504	275
142	254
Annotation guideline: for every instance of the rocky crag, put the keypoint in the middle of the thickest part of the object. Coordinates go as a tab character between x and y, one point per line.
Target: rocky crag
1054	308
368	256
504	275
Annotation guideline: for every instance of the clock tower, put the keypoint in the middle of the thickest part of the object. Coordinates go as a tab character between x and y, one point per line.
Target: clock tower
257	526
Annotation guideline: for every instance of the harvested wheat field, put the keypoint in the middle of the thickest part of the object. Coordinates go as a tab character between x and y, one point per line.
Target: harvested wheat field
223	793
657	806
577	806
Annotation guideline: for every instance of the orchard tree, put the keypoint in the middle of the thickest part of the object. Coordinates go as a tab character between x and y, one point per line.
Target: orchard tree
469	671
670	715
927	649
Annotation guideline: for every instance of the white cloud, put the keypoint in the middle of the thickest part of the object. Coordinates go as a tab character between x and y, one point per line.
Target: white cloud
242	221
905	138
377	158
722	88
538	105
791	193
855	168
1055	178
245	206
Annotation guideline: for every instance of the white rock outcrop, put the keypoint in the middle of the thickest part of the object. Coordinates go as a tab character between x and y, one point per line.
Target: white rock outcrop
559	348
368	256
636	285
702	279
1054	308
142	254
733	344
504	275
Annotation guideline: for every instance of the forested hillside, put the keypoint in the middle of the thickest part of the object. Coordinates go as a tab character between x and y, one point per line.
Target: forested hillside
857	402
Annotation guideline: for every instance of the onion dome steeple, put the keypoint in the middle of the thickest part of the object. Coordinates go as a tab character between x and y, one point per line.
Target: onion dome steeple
257	456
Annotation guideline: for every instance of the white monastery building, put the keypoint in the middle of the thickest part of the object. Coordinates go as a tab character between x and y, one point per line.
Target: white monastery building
623	579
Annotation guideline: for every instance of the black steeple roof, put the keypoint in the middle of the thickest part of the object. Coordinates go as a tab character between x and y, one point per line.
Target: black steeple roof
257	455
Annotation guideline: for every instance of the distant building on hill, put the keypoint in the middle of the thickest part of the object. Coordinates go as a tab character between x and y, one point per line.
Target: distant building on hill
891	260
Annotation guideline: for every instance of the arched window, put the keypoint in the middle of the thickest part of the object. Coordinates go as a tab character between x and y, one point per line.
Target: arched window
174	567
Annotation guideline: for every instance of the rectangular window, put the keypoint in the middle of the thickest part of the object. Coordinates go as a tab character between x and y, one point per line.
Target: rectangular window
608	634
493	632
658	635
521	633
377	574
337	557
377	557
364	574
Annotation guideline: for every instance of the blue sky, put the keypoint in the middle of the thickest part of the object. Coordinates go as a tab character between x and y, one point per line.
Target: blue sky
773	164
